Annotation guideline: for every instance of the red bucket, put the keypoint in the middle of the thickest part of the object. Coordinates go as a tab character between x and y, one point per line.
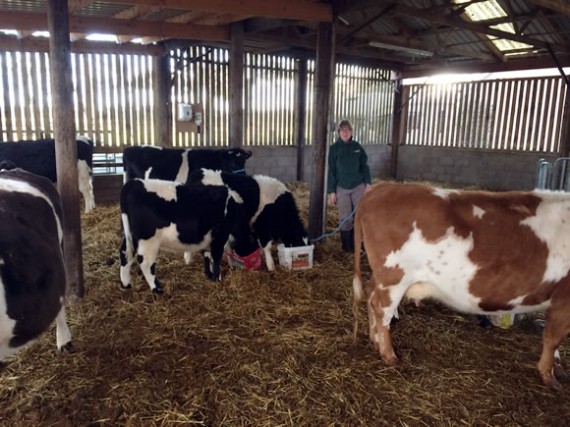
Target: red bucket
248	262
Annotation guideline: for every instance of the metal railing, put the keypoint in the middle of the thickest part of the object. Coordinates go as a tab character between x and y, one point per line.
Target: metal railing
553	175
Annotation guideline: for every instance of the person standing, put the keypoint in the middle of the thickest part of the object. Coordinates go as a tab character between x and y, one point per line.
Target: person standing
348	180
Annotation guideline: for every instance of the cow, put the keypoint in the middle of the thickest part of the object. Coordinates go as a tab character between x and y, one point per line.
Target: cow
478	252
269	206
174	164
159	214
32	273
38	157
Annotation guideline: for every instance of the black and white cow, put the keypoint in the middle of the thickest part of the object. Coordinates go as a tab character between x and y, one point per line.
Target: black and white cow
269	205
38	156
32	273
158	214
174	164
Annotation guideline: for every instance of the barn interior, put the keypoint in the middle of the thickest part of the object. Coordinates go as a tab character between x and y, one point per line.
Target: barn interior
275	348
414	37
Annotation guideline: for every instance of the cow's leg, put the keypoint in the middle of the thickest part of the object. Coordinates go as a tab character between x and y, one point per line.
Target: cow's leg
127	258
380	313
62	333
558	370
187	257
266	246
217	249
147	253
86	185
208	265
555	331
268	257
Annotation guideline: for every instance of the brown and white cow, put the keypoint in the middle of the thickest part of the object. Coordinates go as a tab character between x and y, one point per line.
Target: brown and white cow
476	251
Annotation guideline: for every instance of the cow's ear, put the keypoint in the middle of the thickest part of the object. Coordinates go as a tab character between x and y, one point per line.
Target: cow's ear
248	154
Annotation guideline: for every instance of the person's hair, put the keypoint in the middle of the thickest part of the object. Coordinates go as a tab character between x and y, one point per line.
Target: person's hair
344	123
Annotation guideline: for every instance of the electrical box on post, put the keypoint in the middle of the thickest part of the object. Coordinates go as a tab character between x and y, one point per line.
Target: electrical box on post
190	118
184	112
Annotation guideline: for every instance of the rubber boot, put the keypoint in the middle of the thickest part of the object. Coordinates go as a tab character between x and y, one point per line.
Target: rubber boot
351	240
347	240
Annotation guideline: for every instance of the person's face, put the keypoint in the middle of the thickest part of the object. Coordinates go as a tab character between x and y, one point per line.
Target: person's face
345	133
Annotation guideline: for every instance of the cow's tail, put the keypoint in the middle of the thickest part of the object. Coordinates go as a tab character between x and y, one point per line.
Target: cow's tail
127	245
357	278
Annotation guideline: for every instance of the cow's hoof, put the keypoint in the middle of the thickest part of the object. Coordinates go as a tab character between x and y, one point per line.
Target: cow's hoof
484	321
158	290
559	373
67	347
549	380
553	384
124	287
391	360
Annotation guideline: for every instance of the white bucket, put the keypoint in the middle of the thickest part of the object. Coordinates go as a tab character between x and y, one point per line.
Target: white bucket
297	258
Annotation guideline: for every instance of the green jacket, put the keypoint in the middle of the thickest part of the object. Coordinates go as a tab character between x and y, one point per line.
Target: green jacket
348	166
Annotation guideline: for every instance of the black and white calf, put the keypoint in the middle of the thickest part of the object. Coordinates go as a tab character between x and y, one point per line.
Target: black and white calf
32	273
268	204
174	164
38	157
158	214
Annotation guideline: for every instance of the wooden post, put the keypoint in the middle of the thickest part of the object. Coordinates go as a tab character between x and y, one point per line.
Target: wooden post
300	116
65	143
324	74
236	85
396	125
163	104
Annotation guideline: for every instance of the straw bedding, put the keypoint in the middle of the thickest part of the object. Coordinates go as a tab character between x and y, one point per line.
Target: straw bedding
267	349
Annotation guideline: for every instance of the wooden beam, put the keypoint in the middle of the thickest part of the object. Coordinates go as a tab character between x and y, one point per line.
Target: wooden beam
65	144
561	6
397	130
535	63
258	25
77	5
305	10
163	105
344	6
369	53
472	26
366	23
38	22
12	44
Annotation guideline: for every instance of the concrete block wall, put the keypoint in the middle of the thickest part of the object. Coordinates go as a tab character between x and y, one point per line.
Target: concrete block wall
468	167
281	162
278	162
451	166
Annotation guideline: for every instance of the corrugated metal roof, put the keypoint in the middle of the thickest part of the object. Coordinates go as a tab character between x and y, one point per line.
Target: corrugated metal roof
407	35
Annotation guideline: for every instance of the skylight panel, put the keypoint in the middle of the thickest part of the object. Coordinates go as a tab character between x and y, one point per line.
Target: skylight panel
490	9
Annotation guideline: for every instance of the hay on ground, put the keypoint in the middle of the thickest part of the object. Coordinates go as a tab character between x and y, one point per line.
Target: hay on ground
266	349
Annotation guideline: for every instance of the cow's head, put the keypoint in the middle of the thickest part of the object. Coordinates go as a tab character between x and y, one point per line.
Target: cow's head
298	237
237	158
294	232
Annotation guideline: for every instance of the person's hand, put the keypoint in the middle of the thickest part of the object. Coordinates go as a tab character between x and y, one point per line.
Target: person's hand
332	199
367	188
